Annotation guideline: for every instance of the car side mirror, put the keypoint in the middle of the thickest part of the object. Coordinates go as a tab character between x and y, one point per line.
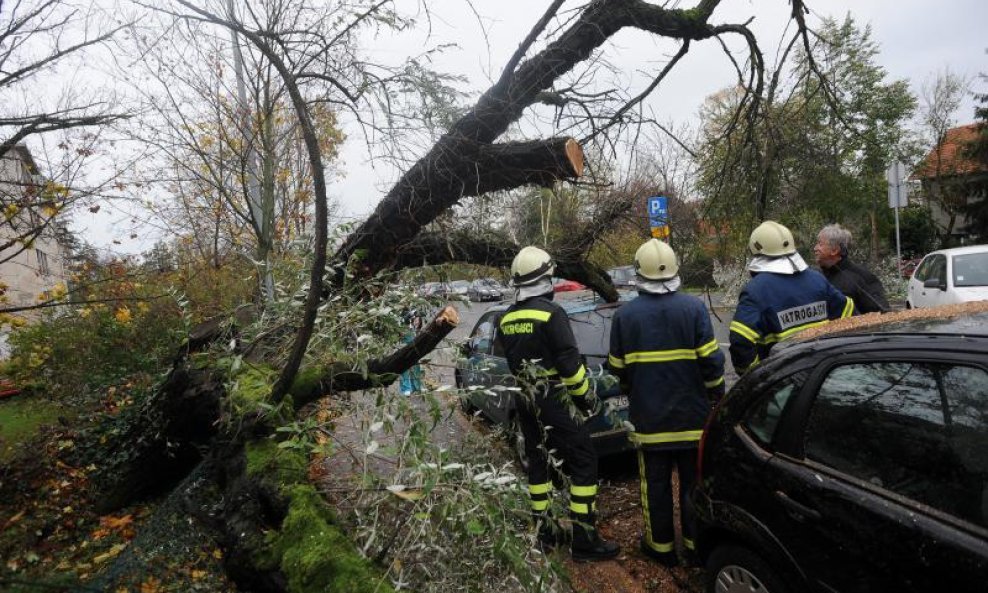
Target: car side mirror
935	283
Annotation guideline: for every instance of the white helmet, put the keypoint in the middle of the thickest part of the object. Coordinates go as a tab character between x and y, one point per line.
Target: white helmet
655	260
531	265
771	239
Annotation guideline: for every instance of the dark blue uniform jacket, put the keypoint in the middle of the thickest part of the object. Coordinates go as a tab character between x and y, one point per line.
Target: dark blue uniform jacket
663	348
773	307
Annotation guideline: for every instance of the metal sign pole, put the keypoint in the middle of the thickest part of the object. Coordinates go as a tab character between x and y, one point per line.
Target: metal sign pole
898	202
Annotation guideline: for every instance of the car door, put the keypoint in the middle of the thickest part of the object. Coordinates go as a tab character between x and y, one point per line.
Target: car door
934	267
488	368
885	490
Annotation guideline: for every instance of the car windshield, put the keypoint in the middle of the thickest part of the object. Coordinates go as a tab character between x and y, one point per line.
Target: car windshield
459	284
971	269
592	330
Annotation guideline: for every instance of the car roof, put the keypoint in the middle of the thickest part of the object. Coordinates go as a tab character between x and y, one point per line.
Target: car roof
572	307
962	250
967	320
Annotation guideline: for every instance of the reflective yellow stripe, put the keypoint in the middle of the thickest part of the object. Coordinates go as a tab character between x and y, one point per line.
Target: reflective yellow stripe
744	331
714	383
579	508
753	364
773	338
659	356
583	490
581	390
540	488
662	548
848	308
615	362
547	372
689	544
526	314
666	437
577	376
540	505
708	348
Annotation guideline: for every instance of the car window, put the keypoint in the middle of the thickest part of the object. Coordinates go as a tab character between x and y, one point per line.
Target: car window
971	269
924	269
592	330
482	338
938	269
763	417
913	428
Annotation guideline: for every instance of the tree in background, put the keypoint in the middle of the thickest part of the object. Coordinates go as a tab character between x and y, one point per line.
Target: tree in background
828	126
941	96
977	209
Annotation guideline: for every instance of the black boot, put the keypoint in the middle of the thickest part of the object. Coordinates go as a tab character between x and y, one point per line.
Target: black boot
588	546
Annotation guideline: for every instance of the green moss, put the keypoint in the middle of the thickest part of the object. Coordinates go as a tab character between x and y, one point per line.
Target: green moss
268	461
251	387
315	555
309	548
20	418
306	382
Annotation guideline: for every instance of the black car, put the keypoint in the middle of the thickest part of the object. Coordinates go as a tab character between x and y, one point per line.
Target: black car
483	373
851	463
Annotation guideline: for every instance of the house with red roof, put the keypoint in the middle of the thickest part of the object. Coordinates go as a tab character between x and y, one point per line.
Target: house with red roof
952	179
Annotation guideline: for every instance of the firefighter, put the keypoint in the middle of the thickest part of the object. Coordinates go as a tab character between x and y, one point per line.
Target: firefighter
542	354
664	351
782	298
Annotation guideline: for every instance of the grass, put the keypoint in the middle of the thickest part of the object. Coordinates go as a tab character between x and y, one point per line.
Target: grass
20	418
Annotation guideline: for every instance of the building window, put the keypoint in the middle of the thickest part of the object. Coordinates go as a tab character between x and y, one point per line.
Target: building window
43	262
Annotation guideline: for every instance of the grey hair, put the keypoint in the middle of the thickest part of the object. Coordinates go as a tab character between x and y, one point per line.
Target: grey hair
837	236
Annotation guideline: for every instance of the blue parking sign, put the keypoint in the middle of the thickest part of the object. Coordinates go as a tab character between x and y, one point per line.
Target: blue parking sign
658	216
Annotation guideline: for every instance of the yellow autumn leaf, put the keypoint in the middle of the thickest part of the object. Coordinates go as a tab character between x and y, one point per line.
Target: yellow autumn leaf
123	315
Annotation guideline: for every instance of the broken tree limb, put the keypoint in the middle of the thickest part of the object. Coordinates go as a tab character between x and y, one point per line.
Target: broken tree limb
456	168
313	383
425	190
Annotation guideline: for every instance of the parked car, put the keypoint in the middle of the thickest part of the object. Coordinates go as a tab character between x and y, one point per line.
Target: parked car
485	289
623	277
459	287
950	276
854	462
484	366
435	289
564	285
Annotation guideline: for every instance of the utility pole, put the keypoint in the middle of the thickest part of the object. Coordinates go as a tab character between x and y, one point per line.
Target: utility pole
253	183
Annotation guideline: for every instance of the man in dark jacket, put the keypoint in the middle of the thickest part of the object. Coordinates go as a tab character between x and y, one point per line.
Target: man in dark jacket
664	351
854	280
543	356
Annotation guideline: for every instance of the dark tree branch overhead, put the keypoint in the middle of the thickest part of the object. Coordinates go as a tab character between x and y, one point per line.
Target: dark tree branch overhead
425	191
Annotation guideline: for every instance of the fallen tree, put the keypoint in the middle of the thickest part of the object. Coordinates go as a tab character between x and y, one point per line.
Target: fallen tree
223	420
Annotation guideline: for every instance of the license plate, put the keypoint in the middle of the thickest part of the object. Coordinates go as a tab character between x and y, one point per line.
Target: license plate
618	402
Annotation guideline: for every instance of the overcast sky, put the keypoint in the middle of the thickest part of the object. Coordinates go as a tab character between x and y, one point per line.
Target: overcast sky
916	39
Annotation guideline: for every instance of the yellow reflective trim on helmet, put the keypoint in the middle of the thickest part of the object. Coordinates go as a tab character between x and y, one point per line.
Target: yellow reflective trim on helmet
540	505
579	508
526	315
540	488
583	490
708	348
745	332
848	308
659	356
666	437
714	383
615	362
576	377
